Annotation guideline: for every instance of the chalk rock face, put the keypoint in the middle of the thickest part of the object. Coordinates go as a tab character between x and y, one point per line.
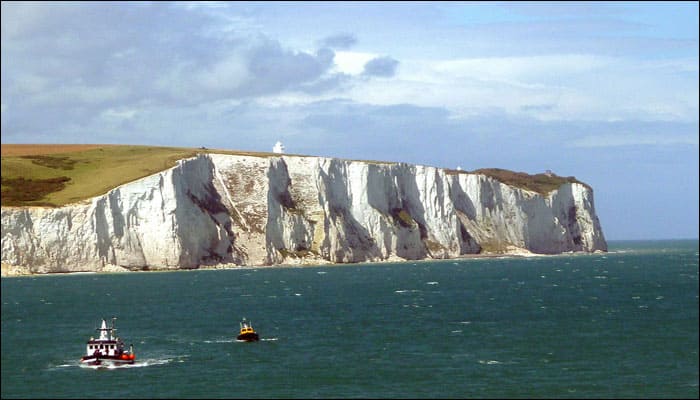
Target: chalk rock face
220	209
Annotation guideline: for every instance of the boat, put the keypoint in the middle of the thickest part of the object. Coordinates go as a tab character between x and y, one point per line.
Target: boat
247	333
107	349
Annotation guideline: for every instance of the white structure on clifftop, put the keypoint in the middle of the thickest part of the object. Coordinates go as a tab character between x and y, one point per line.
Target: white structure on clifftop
278	148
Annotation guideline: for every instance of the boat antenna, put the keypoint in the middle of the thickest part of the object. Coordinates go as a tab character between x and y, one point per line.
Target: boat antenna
113	331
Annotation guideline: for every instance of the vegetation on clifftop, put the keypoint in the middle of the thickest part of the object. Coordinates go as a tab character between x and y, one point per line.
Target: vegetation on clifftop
56	179
56	175
541	183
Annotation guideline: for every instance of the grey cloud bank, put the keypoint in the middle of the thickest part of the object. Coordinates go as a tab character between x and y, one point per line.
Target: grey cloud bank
381	66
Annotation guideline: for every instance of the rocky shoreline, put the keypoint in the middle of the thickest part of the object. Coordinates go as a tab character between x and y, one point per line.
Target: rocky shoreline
9	271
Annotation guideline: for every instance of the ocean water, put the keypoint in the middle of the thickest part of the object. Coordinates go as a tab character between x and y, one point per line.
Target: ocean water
617	325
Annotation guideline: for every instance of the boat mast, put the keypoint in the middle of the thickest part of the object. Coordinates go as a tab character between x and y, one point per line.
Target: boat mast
113	331
103	330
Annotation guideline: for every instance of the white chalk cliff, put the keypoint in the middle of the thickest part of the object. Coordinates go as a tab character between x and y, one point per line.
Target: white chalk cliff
218	209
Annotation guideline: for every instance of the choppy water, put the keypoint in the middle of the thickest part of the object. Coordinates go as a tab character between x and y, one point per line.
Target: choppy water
621	324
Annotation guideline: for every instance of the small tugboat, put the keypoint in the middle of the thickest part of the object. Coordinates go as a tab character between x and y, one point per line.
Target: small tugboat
247	333
108	349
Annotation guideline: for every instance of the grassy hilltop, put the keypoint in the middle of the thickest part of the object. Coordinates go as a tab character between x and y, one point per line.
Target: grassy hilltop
55	175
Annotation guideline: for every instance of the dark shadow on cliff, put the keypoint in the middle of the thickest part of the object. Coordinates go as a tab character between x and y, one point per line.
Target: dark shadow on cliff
397	184
463	204
207	199
357	238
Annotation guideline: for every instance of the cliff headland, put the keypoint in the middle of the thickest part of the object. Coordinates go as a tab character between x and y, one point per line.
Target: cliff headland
216	208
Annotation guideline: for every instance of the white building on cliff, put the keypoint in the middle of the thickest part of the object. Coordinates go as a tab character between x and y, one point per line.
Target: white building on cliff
278	148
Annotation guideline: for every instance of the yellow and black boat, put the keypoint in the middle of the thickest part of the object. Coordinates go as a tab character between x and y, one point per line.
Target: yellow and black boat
247	333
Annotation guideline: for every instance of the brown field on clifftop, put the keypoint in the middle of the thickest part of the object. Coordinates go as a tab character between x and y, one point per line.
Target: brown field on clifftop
39	149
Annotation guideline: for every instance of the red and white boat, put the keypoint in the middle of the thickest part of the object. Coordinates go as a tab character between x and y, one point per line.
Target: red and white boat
107	349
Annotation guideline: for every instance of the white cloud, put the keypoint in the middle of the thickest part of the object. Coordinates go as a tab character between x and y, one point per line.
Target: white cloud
553	87
527	70
352	62
30	83
631	139
227	74
119	114
78	93
224	54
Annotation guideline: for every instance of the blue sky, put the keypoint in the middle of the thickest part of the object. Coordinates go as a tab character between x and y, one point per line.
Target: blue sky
603	91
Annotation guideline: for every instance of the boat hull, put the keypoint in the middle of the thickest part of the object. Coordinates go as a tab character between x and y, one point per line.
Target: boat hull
248	337
106	361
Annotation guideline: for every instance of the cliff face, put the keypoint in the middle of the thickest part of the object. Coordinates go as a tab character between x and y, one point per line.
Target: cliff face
225	209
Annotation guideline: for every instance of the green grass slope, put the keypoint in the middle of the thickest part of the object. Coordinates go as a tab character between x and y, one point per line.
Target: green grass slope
56	179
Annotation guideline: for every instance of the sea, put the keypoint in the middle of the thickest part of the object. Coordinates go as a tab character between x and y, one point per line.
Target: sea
621	324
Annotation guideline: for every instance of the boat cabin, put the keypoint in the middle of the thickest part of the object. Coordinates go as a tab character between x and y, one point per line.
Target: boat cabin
246	327
107	344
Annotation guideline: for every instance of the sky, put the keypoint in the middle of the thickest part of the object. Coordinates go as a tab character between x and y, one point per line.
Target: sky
606	92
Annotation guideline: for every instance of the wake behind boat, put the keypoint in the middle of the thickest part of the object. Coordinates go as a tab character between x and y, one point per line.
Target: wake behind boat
247	333
107	349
